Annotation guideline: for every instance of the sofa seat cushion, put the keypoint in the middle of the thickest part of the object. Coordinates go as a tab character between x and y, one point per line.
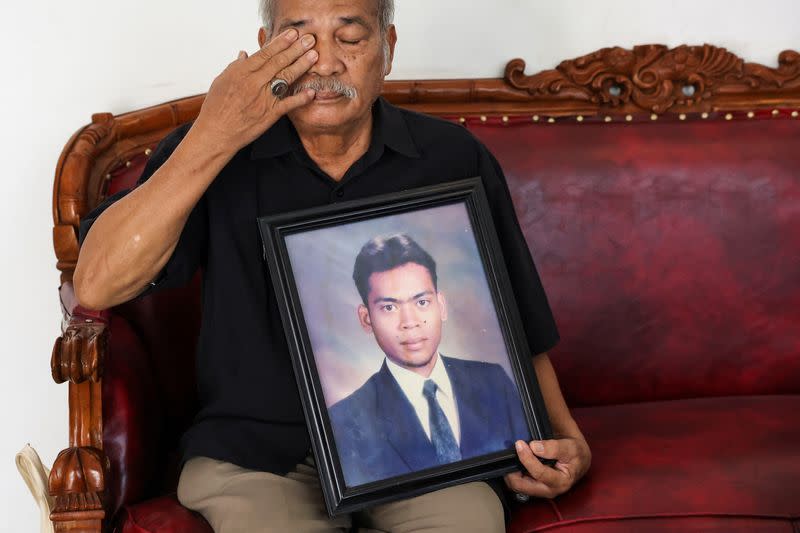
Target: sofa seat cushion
709	464
160	515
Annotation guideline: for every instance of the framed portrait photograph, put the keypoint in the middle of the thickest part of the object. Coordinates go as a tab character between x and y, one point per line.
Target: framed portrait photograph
407	345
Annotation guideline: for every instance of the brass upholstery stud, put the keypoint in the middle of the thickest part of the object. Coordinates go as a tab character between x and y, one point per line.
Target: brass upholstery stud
127	163
108	176
795	114
728	116
653	117
535	118
579	118
483	118
704	115
462	120
628	118
505	119
775	112
682	116
750	114
608	119
551	120
148	151
88	320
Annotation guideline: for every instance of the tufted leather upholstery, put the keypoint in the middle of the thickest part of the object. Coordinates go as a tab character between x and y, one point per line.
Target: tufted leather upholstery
670	252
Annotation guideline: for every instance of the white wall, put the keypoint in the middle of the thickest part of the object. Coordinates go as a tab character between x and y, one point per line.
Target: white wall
62	61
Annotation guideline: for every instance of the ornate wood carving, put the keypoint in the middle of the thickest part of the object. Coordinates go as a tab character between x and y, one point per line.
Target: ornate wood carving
654	78
758	76
78	354
77	479
77	482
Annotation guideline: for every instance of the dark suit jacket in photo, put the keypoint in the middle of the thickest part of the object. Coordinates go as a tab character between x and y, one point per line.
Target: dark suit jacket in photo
378	435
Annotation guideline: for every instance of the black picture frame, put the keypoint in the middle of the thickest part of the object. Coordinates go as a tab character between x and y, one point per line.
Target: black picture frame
274	232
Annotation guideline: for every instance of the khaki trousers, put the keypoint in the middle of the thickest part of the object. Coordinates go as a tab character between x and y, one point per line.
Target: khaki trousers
233	500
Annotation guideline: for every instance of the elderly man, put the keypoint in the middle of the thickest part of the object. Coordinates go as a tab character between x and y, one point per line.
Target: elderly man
254	151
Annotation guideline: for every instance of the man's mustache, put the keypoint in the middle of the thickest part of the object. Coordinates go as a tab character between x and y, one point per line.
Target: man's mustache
327	85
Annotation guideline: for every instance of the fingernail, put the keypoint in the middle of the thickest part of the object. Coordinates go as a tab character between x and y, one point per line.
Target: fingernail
520	445
307	40
313	55
538	446
291	34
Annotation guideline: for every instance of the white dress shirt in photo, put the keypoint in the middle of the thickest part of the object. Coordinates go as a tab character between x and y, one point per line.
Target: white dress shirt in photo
412	383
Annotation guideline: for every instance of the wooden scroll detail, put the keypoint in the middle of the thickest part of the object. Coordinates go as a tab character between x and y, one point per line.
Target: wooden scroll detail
77	482
786	75
79	353
654	77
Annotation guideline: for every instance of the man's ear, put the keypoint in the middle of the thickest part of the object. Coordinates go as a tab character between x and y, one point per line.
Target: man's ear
391	38
364	319
262	37
442	304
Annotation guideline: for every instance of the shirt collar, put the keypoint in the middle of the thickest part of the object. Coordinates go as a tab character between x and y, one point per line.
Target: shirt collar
440	377
412	383
389	129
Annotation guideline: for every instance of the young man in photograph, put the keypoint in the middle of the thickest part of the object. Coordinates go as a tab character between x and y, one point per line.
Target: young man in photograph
421	409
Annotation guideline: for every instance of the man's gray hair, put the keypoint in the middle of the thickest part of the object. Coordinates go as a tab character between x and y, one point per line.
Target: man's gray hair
385	14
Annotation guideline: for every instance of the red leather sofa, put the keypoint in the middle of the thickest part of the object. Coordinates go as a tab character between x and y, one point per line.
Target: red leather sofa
659	191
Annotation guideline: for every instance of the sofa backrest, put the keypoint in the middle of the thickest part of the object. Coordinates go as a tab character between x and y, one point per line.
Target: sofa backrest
669	250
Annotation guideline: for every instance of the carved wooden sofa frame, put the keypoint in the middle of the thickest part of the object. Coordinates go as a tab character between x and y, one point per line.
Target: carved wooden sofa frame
649	82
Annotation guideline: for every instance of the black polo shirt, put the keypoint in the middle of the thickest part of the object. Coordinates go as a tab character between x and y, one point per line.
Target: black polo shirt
250	412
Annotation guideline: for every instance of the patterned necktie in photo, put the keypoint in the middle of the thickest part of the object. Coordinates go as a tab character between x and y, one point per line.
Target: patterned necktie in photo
442	437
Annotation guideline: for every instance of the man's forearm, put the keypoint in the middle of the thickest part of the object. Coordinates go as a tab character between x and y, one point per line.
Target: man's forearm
131	242
133	239
560	418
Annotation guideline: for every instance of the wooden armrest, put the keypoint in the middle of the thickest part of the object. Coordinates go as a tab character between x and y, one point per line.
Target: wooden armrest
77	479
